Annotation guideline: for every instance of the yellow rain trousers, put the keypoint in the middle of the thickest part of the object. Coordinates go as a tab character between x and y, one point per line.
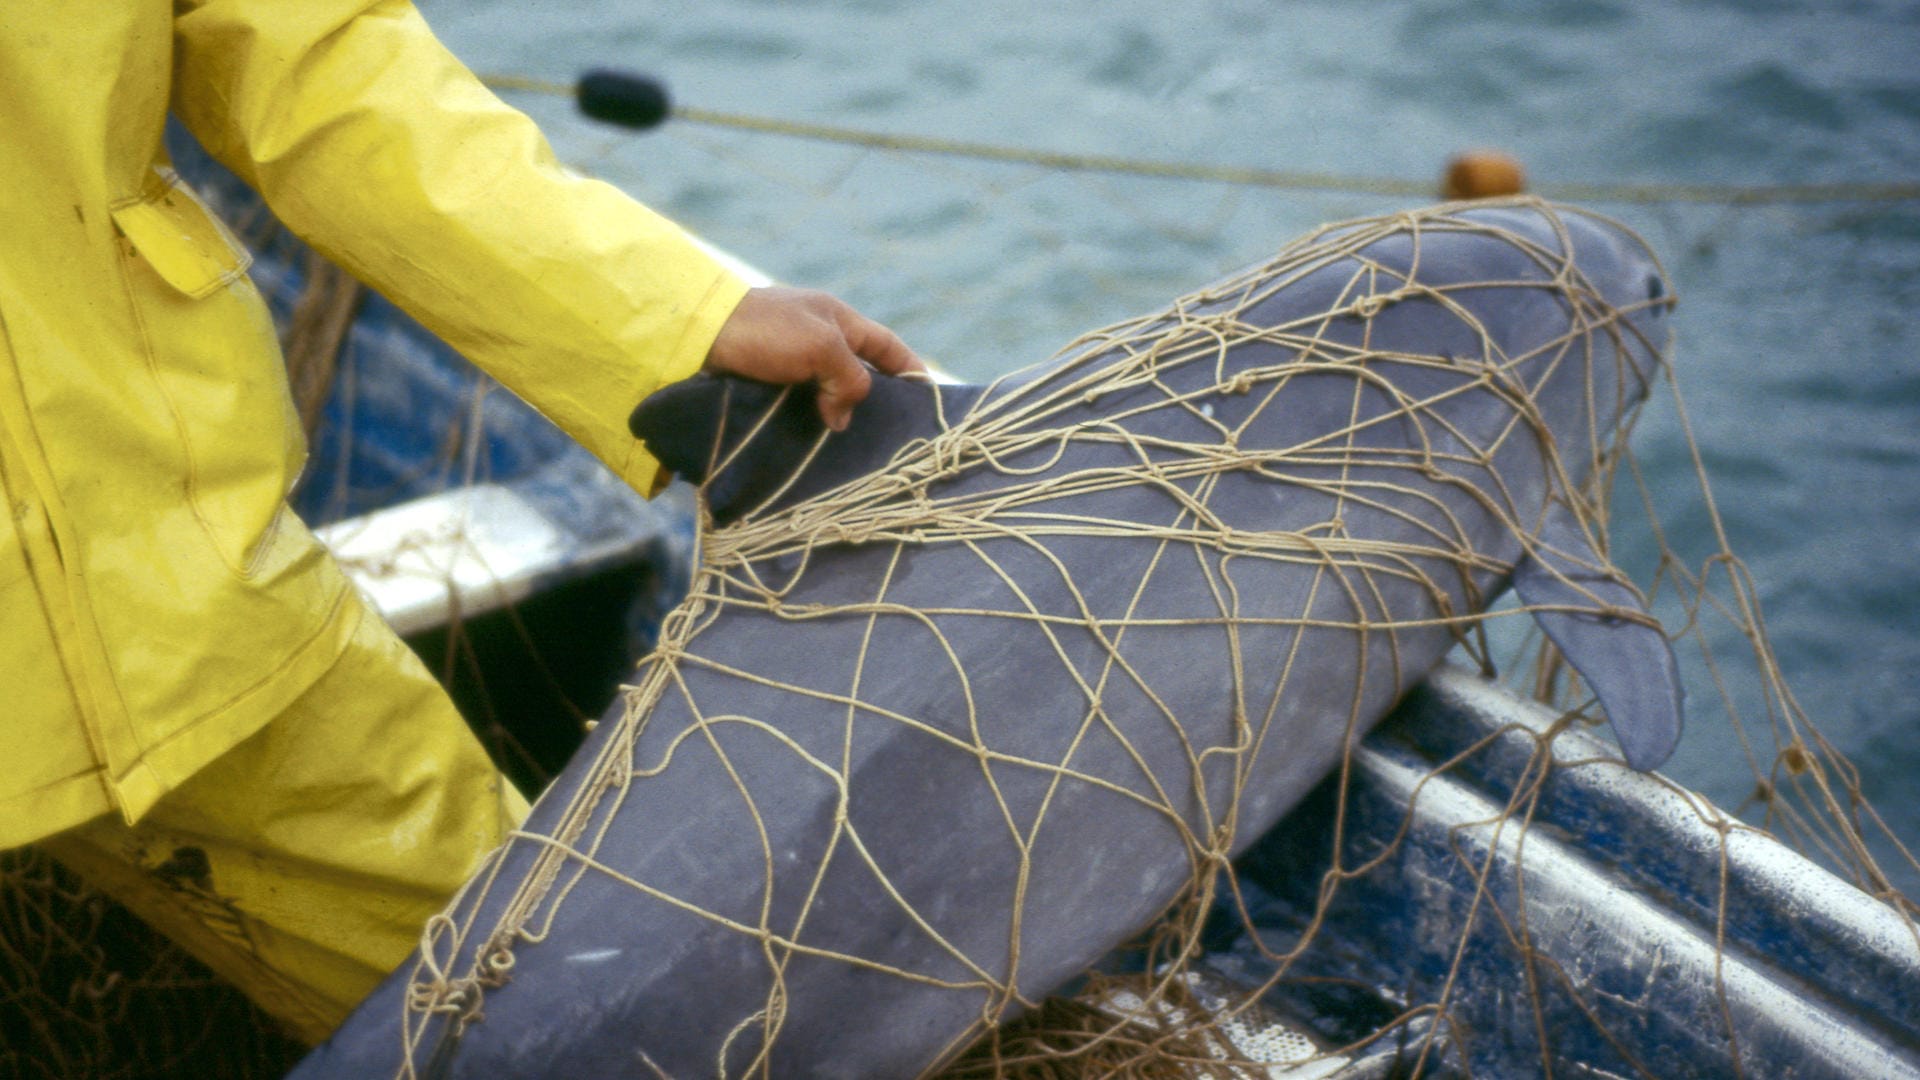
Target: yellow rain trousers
162	612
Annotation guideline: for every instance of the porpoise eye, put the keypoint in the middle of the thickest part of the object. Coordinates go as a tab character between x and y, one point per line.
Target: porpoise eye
1655	290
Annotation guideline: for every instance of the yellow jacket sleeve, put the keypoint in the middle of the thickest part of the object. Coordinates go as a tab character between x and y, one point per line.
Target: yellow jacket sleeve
375	145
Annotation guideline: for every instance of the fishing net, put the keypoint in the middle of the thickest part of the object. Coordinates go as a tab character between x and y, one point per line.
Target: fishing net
87	990
1155	1007
1193	674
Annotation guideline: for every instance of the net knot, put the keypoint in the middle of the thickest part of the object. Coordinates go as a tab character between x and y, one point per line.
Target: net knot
458	1000
841	531
498	965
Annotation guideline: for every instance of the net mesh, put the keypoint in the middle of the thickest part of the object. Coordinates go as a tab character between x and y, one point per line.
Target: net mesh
82	992
88	990
1385	562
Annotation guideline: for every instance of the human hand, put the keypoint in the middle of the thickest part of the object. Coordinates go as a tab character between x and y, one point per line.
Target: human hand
786	335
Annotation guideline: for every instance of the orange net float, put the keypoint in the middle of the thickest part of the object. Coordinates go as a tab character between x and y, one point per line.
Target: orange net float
1482	174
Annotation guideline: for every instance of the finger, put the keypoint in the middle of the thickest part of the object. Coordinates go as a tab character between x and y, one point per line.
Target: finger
844	382
876	344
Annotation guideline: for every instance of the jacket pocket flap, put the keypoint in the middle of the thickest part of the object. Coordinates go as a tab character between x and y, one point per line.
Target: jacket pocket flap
176	235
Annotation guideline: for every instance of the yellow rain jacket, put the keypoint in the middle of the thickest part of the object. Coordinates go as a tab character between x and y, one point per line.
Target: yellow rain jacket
158	602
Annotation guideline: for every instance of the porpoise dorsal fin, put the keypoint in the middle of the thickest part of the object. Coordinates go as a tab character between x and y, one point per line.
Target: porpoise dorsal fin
743	440
1628	665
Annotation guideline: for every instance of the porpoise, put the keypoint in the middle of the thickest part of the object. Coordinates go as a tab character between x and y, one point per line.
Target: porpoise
968	695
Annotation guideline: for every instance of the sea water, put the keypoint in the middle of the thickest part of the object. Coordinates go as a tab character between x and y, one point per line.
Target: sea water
1798	343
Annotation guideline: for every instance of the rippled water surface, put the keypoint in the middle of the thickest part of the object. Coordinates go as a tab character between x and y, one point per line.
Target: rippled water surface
1799	346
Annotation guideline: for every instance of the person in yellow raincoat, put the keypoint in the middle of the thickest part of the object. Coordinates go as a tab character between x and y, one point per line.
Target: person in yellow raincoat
201	715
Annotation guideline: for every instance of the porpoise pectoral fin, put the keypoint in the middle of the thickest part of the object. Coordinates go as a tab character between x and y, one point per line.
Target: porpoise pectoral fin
698	429
680	423
722	425
1629	665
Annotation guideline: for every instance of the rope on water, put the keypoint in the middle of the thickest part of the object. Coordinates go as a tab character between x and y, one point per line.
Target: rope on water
1241	175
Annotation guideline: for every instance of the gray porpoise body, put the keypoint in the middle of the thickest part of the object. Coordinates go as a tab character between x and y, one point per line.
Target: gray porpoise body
621	980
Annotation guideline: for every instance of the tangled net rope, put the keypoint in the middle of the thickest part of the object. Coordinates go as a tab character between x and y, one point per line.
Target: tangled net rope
1400	507
1086	524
